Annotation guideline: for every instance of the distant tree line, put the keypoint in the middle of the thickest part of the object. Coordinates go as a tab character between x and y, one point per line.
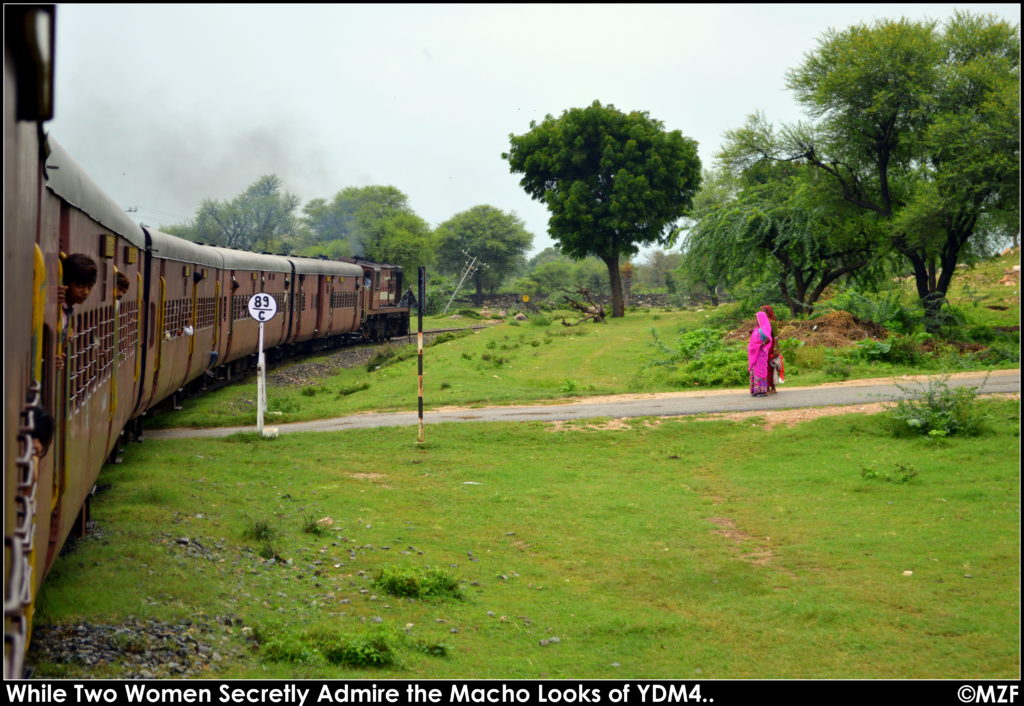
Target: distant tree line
909	165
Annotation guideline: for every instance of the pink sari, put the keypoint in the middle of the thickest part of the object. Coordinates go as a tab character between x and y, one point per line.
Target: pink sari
757	354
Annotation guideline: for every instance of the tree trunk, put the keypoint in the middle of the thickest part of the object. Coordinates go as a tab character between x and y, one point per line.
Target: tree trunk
618	308
931	290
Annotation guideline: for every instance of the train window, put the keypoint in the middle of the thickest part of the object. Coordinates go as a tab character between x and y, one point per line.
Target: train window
177	315
343	300
127	327
105	351
84	357
206	315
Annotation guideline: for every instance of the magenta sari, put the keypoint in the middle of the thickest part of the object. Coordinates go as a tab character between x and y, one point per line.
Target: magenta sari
757	354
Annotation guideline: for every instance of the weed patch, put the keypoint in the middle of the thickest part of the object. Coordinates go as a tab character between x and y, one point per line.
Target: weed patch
942	411
903	473
411	582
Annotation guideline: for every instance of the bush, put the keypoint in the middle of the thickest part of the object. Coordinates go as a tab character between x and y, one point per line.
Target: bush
705	358
837	366
356	651
410	582
886	308
941	412
290	650
724	366
693	344
1002	351
899	349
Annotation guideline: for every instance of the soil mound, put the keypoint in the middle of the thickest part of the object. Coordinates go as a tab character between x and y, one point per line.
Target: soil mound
837	329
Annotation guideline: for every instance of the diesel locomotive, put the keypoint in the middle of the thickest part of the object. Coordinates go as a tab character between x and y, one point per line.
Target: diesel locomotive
183	322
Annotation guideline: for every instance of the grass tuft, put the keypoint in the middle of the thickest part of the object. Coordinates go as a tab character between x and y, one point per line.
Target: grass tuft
411	582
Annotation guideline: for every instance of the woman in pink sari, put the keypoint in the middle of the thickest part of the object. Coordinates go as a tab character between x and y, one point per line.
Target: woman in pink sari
758	347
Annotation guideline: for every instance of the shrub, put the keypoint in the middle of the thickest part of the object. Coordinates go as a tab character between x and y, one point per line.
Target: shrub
283	404
1002	352
312	525
724	366
898	349
411	582
941	411
837	366
693	344
290	650
704	357
259	530
373	650
886	308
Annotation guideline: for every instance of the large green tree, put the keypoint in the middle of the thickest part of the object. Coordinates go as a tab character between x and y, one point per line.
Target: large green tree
375	222
498	240
779	226
612	181
917	124
260	218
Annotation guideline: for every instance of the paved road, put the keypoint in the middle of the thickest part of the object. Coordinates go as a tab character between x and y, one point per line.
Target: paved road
658	405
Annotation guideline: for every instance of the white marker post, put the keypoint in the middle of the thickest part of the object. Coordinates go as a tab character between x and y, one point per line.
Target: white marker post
262	307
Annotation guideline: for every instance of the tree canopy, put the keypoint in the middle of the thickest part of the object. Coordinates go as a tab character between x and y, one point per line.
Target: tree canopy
916	124
612	181
260	218
375	222
497	239
777	225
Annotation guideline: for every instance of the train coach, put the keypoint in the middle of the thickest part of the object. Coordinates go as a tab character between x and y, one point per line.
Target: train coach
182	323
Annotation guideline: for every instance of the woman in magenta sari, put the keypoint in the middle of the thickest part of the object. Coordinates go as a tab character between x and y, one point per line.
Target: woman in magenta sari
758	347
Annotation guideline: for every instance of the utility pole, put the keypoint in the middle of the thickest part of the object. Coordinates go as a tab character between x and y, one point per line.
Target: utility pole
472	265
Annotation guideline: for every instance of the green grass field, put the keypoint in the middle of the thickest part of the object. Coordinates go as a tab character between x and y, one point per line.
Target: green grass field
540	359
663	548
676	548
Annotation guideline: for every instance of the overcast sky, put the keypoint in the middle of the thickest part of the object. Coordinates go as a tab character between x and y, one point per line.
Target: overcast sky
165	105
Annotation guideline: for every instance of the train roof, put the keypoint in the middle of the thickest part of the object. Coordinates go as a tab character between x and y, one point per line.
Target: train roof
171	247
70	182
316	266
244	260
